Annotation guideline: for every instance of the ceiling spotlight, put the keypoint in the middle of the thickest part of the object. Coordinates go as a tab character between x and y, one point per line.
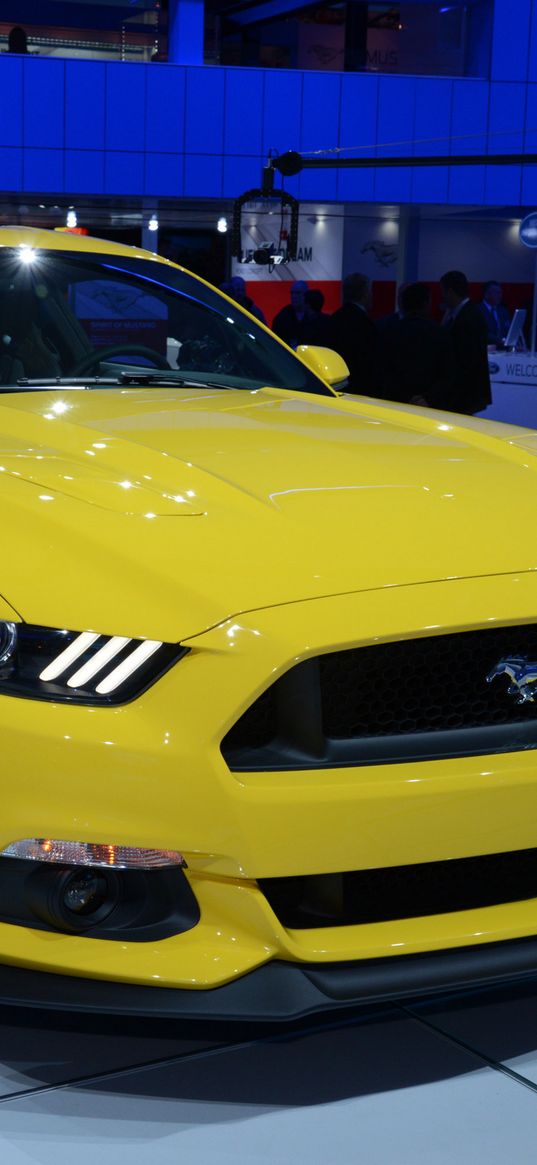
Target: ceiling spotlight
71	219
153	223
222	225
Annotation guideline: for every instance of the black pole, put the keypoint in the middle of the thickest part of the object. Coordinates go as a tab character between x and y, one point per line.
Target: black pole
435	160
292	162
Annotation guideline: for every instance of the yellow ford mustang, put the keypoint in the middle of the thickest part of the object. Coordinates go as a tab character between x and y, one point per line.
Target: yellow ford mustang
268	662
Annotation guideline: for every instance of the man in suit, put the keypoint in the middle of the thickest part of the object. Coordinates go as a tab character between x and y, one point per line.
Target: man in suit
394	316
416	358
353	334
468	331
317	322
494	312
237	291
291	323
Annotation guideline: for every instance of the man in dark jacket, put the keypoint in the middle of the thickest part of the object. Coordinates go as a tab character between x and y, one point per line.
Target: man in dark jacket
317	322
353	334
291	323
468	331
494	312
416	357
237	291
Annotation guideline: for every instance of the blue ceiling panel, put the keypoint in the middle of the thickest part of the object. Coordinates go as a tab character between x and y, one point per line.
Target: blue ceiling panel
43	170
203	176
165	110
164	175
205	94
282	113
125	106
84	170
510	40
11	103
85	105
124	173
243	111
43	102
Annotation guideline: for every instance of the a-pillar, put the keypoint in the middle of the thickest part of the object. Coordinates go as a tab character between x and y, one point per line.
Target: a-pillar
185	31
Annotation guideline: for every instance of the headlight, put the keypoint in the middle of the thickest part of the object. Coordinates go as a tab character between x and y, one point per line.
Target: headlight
42	663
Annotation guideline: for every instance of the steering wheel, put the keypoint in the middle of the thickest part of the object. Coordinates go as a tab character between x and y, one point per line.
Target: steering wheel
100	354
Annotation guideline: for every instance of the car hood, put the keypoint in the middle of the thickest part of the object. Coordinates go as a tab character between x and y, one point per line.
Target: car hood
160	512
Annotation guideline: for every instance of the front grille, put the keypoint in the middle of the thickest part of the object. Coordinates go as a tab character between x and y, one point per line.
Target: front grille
414	699
364	896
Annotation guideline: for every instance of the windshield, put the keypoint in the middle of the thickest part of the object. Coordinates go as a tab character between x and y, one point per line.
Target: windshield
65	314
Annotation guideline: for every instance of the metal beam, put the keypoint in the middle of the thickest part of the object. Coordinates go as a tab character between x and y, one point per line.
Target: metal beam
292	163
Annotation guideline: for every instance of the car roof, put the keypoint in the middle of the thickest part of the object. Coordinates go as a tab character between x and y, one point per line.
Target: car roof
64	240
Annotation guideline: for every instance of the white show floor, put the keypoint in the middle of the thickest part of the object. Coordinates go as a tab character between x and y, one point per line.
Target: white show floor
451	1080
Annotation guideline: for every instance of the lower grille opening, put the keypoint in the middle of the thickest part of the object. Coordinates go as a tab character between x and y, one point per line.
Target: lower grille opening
362	896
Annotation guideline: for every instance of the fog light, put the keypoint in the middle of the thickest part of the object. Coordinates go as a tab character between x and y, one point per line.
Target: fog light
75	901
85	853
85	892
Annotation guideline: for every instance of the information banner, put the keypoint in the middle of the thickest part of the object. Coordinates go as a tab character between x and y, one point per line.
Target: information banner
320	245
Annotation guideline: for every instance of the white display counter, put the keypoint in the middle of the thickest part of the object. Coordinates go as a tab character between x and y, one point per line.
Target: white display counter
513	377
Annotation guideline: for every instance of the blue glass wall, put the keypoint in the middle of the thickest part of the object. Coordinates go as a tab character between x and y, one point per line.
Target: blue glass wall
72	127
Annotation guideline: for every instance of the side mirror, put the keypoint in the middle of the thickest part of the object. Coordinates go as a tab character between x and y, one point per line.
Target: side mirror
326	364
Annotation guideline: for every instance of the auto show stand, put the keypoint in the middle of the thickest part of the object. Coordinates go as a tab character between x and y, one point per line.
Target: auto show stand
513	377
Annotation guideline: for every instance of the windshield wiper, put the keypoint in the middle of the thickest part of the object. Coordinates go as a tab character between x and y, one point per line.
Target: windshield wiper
24	384
166	379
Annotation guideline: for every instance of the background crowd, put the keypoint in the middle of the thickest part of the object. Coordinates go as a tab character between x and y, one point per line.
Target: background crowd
408	356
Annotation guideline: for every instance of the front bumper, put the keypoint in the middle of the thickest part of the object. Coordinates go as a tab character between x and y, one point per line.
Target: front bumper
151	774
281	991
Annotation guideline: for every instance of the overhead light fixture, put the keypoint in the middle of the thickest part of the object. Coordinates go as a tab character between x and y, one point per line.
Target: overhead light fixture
71	219
153	223
221	225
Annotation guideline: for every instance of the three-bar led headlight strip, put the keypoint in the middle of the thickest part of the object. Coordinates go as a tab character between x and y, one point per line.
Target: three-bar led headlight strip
43	663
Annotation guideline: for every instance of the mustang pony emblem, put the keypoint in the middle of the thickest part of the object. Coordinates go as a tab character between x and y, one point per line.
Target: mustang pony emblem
522	674
385	253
